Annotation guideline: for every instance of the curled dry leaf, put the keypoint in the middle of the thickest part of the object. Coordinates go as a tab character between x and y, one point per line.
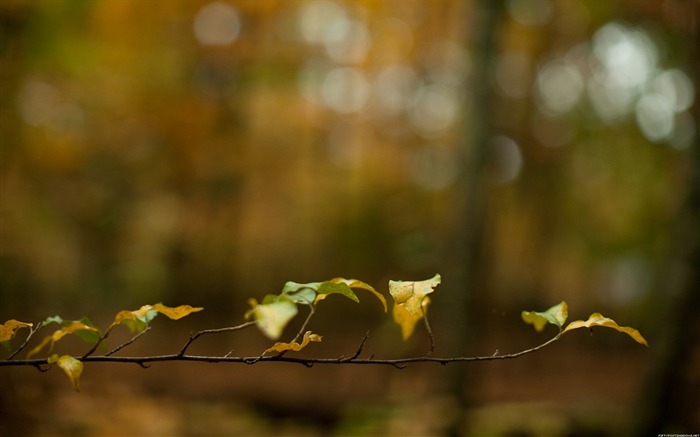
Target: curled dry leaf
294	346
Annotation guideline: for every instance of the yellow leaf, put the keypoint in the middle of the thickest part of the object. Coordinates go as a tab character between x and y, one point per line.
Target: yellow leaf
177	312
71	366
294	346
9	328
410	294
597	319
59	334
138	320
406	320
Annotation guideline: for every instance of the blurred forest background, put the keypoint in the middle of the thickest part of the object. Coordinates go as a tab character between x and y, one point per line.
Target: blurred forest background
202	153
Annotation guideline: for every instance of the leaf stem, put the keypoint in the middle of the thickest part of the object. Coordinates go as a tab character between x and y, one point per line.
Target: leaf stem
127	343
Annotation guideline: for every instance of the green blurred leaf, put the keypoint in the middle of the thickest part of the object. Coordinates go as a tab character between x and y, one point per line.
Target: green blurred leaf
53	319
272	317
555	315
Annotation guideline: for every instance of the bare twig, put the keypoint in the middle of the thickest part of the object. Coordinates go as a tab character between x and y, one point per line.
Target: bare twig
357	352
312	310
127	343
99	342
198	334
32	331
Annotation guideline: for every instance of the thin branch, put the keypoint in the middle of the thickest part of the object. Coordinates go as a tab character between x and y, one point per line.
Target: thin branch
198	334
357	352
127	343
312	310
32	331
97	344
398	362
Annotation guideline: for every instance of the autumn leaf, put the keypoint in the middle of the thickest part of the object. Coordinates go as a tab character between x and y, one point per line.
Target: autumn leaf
71	328
410	294
71	366
411	301
555	315
406	320
9	329
139	319
597	319
294	346
272	315
177	312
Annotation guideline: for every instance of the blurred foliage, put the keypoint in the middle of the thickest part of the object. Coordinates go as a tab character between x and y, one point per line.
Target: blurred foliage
141	160
206	151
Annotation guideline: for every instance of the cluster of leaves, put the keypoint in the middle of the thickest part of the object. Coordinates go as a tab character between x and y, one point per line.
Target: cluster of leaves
271	316
136	321
558	314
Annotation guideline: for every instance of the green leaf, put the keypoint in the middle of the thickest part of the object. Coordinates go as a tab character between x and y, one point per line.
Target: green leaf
324	289
71	366
328	287
272	317
597	319
88	336
53	319
303	295
292	287
555	315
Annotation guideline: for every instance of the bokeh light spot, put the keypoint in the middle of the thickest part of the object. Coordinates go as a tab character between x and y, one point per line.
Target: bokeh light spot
217	24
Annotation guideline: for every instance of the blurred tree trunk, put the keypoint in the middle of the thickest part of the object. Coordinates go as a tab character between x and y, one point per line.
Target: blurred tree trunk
672	395
472	194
